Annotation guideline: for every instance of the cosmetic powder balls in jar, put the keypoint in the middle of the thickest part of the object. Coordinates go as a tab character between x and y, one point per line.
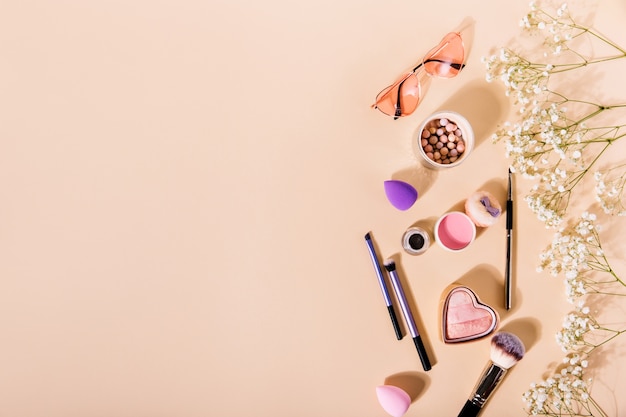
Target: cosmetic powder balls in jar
443	141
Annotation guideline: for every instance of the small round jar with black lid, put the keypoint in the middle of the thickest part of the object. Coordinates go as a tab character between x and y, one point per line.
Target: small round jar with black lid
415	240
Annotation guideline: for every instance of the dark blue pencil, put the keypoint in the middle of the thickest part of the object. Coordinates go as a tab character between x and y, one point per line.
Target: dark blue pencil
383	286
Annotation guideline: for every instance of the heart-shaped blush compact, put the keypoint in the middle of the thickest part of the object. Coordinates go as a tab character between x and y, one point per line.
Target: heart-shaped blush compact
465	317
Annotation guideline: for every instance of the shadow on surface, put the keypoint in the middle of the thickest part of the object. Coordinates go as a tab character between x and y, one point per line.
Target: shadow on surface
483	104
414	383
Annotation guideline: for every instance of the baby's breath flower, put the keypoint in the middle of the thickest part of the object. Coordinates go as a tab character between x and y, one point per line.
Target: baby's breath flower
576	253
575	327
556	140
552	130
567	389
609	190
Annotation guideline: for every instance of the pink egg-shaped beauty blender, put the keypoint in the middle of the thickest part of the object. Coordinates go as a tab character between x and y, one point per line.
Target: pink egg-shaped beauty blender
394	400
400	194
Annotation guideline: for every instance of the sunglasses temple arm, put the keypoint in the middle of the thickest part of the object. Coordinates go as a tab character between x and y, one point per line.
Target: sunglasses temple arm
398	105
452	64
416	68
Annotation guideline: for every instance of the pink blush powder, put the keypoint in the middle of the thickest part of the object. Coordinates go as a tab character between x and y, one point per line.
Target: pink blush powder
456	231
465	317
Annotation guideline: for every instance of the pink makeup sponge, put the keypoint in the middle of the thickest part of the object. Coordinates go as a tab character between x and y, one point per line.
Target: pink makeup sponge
400	194
394	400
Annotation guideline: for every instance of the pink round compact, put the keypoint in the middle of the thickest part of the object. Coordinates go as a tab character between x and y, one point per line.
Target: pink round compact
455	231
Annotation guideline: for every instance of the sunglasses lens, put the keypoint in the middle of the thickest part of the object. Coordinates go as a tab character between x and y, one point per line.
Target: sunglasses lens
401	98
446	59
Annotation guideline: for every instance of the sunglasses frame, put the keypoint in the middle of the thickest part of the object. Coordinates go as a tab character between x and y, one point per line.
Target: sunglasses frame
399	82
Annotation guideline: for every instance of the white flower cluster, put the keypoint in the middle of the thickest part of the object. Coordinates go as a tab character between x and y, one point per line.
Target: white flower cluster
609	189
544	144
553	137
558	27
574	252
545	212
576	325
566	392
522	79
544	138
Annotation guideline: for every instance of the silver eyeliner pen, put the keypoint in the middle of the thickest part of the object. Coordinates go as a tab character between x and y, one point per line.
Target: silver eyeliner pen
390	265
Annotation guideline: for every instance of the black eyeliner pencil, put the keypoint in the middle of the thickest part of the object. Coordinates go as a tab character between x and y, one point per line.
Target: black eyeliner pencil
390	265
383	286
508	302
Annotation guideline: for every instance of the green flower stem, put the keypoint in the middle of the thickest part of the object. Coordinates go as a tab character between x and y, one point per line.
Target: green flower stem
596	406
565	100
560	68
603	261
599	36
614	334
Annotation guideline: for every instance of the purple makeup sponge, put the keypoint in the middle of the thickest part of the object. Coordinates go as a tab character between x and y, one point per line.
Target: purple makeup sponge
400	194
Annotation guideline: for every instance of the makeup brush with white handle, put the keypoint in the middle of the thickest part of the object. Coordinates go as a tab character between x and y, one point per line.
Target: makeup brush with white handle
506	350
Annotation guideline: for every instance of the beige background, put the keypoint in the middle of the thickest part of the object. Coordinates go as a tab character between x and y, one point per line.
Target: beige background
185	187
